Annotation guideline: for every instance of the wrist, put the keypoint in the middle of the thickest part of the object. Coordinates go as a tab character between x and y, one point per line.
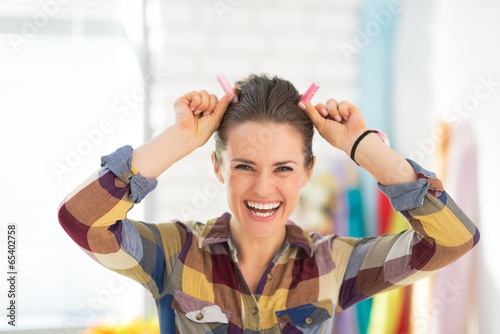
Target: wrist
365	148
383	137
155	156
184	137
386	165
349	143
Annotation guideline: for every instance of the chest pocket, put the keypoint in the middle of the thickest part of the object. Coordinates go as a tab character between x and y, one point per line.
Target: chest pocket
193	315
308	318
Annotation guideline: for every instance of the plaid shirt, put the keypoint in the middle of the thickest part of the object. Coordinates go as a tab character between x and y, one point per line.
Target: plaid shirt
192	271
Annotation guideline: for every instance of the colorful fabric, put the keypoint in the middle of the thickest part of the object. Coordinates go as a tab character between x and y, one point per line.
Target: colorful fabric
191	268
357	230
390	310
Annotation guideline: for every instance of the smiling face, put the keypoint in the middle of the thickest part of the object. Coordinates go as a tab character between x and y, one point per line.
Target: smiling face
263	170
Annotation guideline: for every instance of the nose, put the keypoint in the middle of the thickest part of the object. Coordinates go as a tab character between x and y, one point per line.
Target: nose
264	185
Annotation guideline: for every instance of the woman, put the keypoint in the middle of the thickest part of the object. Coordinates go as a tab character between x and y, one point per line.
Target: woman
252	270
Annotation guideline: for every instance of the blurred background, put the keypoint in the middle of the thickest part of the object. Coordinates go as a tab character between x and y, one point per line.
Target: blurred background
79	79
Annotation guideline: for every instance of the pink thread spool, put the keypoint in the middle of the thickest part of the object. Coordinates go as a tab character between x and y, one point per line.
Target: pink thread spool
226	86
308	95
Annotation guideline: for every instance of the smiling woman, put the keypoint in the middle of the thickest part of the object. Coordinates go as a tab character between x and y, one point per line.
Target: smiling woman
252	269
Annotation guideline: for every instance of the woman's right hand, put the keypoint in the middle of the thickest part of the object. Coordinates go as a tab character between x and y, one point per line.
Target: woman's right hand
199	114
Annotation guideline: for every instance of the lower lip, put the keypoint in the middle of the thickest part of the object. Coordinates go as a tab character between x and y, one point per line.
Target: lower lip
262	219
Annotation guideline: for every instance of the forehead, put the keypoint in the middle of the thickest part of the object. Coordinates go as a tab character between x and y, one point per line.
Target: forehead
272	141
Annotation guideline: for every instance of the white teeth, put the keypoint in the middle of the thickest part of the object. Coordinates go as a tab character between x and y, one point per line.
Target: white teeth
263	214
259	214
266	206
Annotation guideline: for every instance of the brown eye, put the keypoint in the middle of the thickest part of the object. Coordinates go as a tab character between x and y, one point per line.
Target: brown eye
284	169
244	167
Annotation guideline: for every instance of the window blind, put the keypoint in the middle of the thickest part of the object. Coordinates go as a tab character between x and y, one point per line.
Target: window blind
68	95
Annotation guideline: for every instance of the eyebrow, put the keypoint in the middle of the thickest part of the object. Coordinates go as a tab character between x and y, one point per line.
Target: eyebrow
250	162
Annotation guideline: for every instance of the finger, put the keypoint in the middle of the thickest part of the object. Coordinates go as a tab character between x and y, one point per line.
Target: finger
213	102
312	112
205	101
344	109
321	108
194	99
184	99
332	107
221	106
235	99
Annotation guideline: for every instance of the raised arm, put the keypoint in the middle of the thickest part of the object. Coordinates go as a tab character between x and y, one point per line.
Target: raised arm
95	213
197	116
440	232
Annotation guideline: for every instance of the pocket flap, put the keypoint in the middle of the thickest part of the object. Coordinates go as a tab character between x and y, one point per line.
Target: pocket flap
307	315
199	311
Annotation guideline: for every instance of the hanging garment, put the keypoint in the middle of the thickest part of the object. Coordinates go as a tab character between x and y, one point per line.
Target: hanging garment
448	307
390	311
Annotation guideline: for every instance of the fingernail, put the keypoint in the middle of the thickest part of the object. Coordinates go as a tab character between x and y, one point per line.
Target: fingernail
206	113
302	106
324	112
345	118
337	118
197	112
193	108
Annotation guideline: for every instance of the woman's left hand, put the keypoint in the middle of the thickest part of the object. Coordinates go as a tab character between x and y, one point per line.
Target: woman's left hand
339	123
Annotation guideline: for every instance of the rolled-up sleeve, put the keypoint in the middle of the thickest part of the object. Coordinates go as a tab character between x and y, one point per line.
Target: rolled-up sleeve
440	234
94	215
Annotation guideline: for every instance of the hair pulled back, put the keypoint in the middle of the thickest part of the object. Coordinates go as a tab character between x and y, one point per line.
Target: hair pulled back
263	99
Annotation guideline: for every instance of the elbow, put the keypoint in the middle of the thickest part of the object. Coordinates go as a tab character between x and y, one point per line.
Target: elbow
431	255
451	254
62	213
476	237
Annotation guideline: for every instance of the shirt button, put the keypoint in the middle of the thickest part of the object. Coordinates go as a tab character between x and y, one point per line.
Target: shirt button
309	320
269	276
254	310
199	316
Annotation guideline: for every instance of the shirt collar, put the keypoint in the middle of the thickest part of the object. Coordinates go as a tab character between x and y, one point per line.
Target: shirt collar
217	231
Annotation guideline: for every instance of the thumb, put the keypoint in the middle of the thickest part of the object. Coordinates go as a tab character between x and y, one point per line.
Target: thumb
221	107
312	112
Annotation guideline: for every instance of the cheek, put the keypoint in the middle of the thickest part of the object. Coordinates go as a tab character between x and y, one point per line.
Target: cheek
292	187
237	184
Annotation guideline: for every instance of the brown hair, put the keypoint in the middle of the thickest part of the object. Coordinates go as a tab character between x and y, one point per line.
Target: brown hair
263	99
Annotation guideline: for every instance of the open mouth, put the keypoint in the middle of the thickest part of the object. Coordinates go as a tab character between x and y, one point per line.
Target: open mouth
263	210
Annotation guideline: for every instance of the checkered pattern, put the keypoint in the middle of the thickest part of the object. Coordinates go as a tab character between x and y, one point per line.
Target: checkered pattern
191	269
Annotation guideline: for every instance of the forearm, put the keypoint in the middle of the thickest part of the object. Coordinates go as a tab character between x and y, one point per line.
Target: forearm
440	234
155	156
385	164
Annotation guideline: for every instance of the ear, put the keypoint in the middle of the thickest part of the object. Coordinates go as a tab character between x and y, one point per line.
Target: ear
309	173
217	168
